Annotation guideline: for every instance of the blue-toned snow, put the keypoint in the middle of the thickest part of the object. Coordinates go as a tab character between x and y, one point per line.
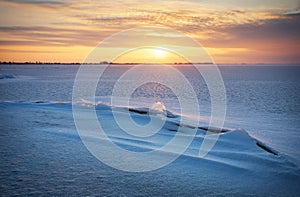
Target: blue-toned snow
42	153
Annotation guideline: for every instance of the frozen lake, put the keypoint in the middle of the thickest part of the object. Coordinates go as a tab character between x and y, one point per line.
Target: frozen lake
41	150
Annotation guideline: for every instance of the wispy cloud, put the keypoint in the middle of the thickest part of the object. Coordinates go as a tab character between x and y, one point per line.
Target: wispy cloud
39	35
30	51
40	3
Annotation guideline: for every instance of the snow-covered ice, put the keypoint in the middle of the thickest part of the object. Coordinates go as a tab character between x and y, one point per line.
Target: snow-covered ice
256	152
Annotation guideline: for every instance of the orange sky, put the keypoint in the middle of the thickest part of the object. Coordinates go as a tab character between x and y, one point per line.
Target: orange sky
232	31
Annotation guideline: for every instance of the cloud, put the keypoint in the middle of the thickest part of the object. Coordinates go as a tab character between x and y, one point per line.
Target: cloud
166	35
29	51
37	2
44	36
269	40
285	28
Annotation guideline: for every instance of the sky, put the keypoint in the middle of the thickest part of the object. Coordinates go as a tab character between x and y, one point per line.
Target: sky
232	31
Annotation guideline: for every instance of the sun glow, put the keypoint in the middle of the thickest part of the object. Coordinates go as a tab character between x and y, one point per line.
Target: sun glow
150	55
160	53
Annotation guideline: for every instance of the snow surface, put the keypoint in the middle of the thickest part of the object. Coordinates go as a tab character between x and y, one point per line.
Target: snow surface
41	153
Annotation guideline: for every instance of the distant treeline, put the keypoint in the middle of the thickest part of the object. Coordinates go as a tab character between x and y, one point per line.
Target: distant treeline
75	63
104	62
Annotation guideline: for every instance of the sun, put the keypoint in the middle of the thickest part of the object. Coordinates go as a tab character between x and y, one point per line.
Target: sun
159	53
149	55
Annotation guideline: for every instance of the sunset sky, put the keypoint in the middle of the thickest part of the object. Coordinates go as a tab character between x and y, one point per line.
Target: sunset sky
233	31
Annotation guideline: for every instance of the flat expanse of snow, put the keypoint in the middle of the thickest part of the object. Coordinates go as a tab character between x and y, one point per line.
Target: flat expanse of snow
41	152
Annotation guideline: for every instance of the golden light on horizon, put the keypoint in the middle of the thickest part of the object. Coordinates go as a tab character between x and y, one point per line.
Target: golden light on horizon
150	55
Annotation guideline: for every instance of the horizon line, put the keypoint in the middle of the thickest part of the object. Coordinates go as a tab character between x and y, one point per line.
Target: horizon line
135	63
